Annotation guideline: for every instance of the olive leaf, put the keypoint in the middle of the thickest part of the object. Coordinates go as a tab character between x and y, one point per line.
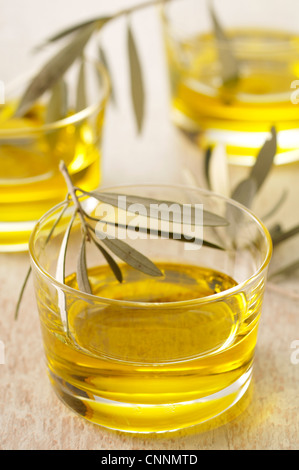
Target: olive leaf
104	60
54	69
60	266
57	105
111	262
60	271
157	208
283	236
264	160
81	98
245	192
136	79
228	61
207	161
82	275
218	170
158	233
56	110
168	234
247	189
131	256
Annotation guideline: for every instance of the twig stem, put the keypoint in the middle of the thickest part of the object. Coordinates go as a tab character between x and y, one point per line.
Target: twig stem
72	192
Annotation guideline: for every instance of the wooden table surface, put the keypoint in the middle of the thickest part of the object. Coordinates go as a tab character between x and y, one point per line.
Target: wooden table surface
31	416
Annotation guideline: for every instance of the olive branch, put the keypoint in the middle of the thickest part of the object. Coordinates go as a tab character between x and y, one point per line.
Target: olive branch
110	245
50	76
246	191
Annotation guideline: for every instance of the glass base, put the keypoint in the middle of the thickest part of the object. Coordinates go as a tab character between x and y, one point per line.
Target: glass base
242	146
141	418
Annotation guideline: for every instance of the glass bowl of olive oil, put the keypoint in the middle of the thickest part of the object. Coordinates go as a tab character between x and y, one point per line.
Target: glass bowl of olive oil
151	351
233	71
65	123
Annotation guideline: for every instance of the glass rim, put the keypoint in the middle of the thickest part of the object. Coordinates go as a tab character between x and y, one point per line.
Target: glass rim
76	117
280	44
157	305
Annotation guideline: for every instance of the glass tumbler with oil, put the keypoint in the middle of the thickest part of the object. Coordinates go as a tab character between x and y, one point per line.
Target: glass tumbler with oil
65	123
233	68
153	353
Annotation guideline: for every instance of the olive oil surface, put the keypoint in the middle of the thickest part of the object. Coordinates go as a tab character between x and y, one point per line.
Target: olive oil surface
152	354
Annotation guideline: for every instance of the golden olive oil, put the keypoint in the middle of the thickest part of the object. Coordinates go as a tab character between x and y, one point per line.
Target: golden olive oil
242	112
30	181
152	353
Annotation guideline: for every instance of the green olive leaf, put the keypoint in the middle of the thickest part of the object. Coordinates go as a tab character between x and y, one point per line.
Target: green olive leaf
136	80
207	160
81	98
57	105
218	171
245	191
131	256
60	271
155	208
104	60
157	232
112	263
82	274
228	61
264	160
280	237
54	69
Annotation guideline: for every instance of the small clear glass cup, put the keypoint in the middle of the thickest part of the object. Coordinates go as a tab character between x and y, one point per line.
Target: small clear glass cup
32	146
153	354
264	39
